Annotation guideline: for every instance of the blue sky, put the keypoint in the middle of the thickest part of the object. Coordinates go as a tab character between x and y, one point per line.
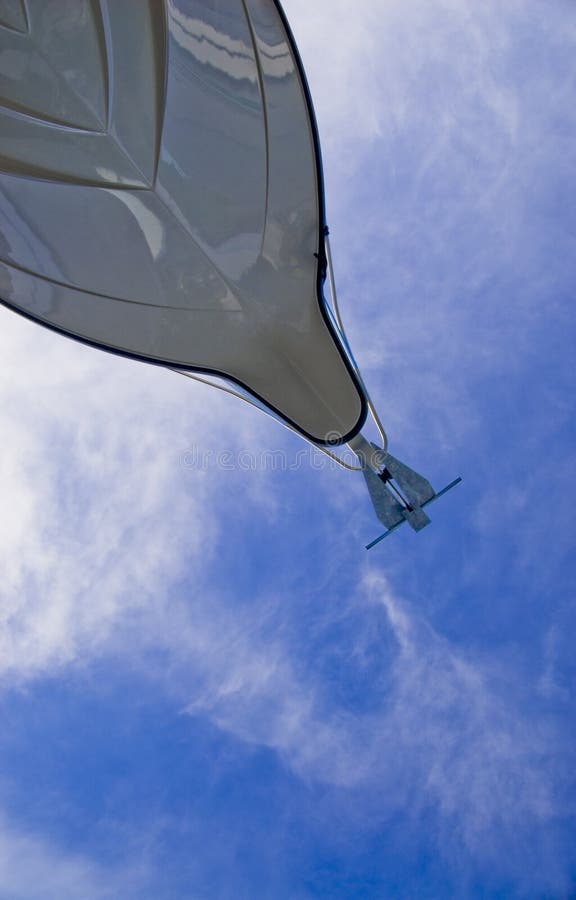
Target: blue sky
208	688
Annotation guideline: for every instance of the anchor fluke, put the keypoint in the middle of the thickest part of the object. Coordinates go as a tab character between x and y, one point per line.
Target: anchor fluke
398	493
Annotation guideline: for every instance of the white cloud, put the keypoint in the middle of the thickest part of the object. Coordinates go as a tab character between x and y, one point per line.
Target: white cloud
446	735
102	527
479	755
99	519
446	128
33	868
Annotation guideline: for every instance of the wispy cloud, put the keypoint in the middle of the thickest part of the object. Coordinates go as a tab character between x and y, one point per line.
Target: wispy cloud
446	136
99	518
96	548
446	735
445	130
34	868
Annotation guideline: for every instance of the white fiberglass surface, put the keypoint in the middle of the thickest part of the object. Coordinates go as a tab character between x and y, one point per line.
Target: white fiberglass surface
159	194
